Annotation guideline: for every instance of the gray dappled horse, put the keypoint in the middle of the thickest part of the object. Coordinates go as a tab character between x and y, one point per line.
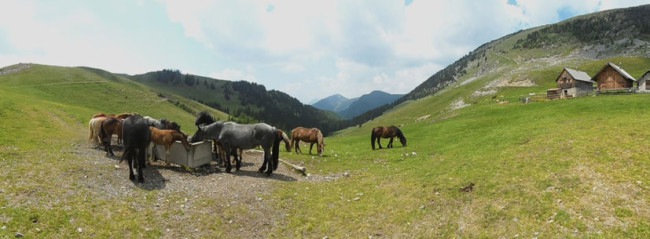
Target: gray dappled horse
244	136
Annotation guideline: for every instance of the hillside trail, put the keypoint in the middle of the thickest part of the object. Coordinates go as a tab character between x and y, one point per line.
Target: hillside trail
245	190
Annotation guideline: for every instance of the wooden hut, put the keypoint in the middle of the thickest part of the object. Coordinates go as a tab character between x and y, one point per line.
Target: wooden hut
642	84
574	83
553	93
613	78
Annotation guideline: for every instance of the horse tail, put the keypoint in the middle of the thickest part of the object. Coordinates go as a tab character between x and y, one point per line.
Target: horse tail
276	149
102	132
372	138
90	129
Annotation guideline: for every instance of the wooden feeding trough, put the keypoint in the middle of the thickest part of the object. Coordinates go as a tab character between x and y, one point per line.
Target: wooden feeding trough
200	153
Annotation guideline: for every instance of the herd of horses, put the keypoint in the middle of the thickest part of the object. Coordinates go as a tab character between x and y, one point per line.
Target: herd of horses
138	133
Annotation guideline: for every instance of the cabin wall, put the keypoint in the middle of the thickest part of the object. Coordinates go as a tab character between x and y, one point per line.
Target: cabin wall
642	84
583	88
611	79
565	81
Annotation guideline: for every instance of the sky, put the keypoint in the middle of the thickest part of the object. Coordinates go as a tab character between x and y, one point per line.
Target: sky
307	49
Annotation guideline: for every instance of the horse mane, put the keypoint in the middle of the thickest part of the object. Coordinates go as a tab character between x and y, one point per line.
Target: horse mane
204	117
319	136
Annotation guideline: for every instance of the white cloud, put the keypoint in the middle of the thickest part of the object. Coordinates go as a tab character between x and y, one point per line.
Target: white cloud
342	46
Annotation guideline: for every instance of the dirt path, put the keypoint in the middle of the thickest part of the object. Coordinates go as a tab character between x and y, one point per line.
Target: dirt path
174	187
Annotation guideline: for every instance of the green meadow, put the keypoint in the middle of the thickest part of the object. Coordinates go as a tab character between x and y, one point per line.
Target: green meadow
563	168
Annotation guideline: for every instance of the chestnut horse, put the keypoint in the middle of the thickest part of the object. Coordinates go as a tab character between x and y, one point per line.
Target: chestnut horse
312	136
166	137
386	132
94	126
109	127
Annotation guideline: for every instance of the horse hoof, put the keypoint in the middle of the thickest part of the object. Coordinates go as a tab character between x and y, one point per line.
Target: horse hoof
268	174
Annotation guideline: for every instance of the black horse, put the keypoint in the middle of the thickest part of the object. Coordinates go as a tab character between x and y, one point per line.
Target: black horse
136	136
386	132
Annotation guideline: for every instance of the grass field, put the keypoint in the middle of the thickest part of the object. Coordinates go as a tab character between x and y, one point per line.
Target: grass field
562	168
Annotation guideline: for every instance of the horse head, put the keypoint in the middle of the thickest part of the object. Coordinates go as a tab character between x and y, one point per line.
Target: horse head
199	135
204	118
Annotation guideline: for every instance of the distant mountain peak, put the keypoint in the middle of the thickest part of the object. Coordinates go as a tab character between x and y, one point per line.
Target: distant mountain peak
350	108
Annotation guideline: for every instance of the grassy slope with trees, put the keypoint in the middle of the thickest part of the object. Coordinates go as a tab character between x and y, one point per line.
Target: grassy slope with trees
246	102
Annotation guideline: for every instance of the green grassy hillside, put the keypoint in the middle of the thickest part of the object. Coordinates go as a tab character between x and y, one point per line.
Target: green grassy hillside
559	168
563	168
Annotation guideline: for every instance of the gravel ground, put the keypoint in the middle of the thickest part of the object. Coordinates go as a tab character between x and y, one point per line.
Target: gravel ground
178	188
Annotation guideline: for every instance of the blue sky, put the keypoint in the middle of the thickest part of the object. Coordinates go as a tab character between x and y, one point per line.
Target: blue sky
308	49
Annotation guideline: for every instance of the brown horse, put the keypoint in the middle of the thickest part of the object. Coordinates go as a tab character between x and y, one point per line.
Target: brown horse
109	127
386	132
166	137
312	136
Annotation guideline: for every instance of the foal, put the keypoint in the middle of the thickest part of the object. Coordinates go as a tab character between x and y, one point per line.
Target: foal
166	137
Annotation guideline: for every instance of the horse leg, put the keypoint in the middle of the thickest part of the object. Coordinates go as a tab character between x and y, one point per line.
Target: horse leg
378	142
140	160
237	160
129	160
267	160
227	159
390	143
298	147
261	170
311	145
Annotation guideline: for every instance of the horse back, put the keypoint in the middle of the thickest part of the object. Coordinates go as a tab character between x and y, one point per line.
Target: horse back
136	132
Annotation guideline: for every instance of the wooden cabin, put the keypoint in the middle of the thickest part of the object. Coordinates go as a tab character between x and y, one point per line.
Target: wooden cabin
642	84
574	83
613	78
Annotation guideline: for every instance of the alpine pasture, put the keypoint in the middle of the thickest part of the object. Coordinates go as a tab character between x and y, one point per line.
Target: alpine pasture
575	167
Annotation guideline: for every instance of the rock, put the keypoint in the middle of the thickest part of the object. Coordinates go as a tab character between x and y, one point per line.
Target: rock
18	235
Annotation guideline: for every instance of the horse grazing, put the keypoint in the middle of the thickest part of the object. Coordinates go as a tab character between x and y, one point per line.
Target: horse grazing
166	137
312	136
386	132
244	136
137	136
109	127
94	126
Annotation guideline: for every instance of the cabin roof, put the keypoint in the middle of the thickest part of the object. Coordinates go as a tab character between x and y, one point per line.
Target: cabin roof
618	69
577	75
644	74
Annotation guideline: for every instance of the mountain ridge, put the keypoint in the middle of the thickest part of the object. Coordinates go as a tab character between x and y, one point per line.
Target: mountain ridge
349	108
